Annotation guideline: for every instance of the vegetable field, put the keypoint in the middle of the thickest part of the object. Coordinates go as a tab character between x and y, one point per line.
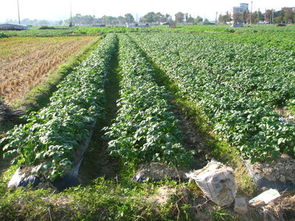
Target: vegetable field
237	86
227	93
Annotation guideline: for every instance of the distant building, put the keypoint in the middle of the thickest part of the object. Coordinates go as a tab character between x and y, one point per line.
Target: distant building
288	9
12	27
244	7
239	13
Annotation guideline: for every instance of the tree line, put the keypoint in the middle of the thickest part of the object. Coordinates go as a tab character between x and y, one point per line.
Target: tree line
150	18
285	15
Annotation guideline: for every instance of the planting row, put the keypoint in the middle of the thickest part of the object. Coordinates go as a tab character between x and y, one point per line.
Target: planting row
51	136
237	86
273	39
145	128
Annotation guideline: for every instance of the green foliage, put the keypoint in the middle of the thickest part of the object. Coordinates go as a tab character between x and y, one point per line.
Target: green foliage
275	39
52	135
83	30
237	87
145	129
2	35
220	214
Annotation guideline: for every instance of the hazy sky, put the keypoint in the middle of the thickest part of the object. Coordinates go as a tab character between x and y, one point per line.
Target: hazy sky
59	9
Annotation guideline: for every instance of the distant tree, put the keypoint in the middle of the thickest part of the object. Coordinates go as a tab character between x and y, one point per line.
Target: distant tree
224	18
289	15
168	18
160	18
149	17
153	17
238	18
260	16
190	19
121	20
129	18
79	19
268	15
179	17
198	20
254	17
110	20
246	17
186	16
279	16
206	21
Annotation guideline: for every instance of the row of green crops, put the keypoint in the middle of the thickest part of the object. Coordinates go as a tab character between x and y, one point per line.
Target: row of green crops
237	86
52	135
281	40
145	128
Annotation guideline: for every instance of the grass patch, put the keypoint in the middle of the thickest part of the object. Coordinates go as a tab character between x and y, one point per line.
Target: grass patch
103	200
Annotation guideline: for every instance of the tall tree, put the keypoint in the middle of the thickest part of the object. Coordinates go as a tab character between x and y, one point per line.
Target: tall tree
179	17
121	20
168	18
289	15
260	16
198	20
268	15
279	16
254	17
129	18
238	17
190	19
224	18
149	17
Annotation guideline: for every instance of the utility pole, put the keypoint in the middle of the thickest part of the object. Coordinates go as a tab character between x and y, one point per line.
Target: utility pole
216	18
272	15
71	15
251	13
18	14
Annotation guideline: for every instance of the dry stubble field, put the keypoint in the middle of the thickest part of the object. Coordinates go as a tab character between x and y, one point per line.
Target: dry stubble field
27	61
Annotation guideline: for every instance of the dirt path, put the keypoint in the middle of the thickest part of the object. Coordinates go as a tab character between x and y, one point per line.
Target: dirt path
97	162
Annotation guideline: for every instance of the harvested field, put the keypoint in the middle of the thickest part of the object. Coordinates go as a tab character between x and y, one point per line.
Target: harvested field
27	61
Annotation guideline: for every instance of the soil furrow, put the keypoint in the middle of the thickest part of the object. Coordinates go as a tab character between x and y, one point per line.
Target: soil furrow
97	162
